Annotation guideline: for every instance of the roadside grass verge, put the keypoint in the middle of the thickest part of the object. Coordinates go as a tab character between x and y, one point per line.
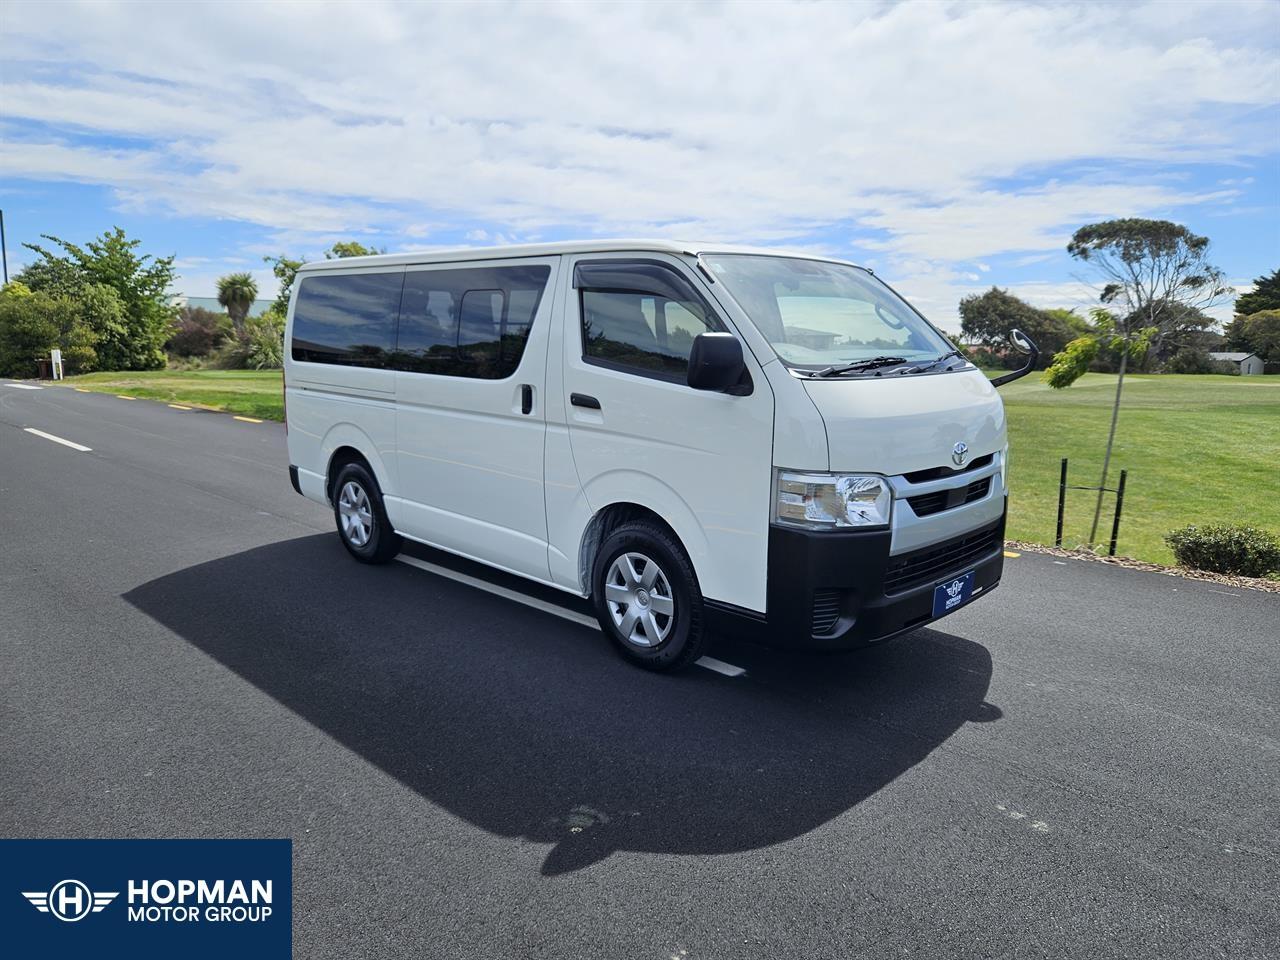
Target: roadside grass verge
250	393
1199	449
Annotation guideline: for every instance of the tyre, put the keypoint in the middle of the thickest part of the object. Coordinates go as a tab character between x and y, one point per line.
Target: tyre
361	518
647	598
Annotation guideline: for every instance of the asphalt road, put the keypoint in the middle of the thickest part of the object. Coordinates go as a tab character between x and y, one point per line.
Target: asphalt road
1085	764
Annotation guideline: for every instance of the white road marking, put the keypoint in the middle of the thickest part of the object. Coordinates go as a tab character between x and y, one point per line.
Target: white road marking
65	443
1061	563
580	618
719	666
710	663
24	386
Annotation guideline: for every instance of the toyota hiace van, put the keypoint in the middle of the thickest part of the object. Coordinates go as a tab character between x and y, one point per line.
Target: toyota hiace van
696	437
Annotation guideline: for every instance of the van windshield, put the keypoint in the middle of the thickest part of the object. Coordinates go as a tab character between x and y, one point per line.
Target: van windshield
819	315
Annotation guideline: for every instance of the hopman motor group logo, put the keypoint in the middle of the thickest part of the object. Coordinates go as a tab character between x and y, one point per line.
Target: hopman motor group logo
70	900
162	901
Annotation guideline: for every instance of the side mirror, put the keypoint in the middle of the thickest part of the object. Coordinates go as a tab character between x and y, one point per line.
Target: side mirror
1026	345
716	363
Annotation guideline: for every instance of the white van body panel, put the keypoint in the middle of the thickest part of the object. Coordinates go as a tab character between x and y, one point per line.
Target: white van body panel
332	406
701	460
891	425
470	462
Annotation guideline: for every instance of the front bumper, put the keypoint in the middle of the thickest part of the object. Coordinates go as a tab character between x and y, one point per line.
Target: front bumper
839	591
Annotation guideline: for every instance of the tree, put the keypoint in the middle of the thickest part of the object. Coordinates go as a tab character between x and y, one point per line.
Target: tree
236	292
140	284
988	319
33	323
1265	295
1258	333
286	268
1148	268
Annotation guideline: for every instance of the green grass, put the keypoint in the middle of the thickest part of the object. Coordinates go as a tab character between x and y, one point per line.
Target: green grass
250	393
1198	449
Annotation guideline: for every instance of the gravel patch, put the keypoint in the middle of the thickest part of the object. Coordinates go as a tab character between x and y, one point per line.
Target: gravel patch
1244	583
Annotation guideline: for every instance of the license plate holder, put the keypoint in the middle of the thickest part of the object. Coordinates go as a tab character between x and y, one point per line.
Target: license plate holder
952	593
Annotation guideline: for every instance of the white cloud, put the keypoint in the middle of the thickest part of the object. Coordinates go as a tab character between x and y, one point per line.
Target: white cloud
768	122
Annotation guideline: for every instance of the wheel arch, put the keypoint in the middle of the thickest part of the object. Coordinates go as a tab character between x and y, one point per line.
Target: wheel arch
607	519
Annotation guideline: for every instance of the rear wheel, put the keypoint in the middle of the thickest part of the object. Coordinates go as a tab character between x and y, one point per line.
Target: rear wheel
647	598
361	518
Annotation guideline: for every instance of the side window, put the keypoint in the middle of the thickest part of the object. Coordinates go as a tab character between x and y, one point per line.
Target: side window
347	319
468	322
640	316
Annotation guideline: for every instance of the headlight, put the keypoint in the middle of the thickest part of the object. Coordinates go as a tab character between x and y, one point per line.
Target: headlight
824	501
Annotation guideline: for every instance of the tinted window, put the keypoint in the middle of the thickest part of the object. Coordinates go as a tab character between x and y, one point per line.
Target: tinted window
470	322
642	316
348	319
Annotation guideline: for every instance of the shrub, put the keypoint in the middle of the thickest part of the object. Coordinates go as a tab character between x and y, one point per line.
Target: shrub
32	324
1190	360
1226	548
261	347
197	332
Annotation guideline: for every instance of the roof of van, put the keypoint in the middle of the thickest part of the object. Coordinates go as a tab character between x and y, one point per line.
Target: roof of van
455	254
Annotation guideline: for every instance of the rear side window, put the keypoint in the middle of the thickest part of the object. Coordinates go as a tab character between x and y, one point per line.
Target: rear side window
348	319
640	316
468	322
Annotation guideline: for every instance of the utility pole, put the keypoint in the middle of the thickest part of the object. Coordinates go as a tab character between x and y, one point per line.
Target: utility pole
4	250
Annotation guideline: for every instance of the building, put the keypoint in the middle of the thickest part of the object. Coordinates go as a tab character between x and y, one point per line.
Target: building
1249	363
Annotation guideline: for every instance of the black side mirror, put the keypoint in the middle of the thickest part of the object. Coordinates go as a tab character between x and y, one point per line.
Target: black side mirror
1026	345
716	363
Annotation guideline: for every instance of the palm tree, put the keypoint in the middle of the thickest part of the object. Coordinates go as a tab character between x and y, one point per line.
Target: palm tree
236	292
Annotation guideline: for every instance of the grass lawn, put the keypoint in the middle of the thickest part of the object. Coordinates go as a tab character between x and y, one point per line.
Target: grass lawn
251	393
1198	448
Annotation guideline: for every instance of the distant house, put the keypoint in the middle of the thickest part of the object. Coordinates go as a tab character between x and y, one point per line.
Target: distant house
1249	363
211	303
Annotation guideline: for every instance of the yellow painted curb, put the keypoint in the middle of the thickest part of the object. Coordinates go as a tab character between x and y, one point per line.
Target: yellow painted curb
121	396
1010	553
82	390
248	419
178	406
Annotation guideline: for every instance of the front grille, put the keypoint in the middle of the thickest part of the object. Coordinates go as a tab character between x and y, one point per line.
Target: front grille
826	611
942	473
928	503
941	560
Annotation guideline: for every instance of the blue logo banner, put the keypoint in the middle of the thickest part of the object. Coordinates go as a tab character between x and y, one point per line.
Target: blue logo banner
147	898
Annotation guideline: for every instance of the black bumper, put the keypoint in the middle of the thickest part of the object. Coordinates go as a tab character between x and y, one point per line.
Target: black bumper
293	479
839	591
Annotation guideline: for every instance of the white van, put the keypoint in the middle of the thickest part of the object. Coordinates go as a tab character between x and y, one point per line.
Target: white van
697	437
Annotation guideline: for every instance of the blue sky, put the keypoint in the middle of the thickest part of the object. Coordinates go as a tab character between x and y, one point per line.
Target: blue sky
949	146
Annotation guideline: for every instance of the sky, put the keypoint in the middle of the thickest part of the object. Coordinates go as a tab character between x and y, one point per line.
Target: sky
949	146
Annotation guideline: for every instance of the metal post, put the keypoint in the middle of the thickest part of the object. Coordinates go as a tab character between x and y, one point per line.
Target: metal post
1062	502
1115	525
4	250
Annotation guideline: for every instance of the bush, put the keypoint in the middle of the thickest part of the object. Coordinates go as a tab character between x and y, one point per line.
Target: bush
197	332
32	324
1190	360
261	347
1226	548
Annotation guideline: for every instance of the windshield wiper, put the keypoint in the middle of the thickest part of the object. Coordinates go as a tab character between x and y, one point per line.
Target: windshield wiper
860	365
933	363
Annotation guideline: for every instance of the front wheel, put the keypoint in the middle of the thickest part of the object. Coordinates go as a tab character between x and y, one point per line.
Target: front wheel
361	517
647	597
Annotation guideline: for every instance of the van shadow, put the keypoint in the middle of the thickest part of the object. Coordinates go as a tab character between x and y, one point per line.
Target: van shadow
529	726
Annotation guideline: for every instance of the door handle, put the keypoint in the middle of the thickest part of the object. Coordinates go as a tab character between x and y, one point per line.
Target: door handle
582	400
526	399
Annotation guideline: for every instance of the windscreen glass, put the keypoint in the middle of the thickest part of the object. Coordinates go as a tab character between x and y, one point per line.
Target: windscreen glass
818	314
